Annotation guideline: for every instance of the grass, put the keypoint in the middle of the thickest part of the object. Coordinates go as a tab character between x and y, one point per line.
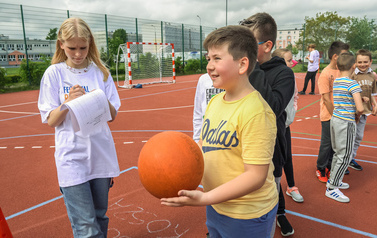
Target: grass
12	71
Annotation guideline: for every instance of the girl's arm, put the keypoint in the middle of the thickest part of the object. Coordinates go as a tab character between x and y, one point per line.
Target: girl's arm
113	112
251	180
57	116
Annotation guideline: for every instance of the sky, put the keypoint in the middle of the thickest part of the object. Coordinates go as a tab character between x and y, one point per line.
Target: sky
288	14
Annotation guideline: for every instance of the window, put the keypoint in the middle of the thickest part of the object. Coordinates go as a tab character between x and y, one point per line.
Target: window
289	32
3	58
10	46
289	37
20	46
31	57
21	57
12	58
2	46
29	47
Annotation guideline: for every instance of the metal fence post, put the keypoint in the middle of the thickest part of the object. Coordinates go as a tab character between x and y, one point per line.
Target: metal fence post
107	37
25	42
201	44
183	48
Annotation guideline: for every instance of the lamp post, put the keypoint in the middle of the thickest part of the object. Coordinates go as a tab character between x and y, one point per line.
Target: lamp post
200	20
226	12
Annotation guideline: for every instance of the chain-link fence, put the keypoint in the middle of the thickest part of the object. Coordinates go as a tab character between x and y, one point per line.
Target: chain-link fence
25	32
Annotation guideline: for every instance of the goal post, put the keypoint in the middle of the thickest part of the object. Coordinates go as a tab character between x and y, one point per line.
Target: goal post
145	63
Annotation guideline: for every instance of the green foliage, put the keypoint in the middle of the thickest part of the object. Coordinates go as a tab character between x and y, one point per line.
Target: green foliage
108	60
36	71
52	34
179	65
361	34
192	65
119	37
323	30
2	77
142	68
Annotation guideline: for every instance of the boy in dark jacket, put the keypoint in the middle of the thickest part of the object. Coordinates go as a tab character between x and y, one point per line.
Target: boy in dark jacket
277	88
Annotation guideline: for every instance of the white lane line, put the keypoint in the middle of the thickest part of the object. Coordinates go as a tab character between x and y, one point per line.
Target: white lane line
129	142
19	147
36	147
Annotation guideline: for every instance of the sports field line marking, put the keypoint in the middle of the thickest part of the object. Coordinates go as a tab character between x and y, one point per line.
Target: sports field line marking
331	224
19	147
129	142
31	113
152	94
8	119
36	147
157	109
3	147
11	105
287	211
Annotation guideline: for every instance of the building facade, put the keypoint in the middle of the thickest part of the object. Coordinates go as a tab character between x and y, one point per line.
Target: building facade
287	37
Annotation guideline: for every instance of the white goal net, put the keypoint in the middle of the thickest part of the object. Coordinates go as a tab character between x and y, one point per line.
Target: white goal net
145	63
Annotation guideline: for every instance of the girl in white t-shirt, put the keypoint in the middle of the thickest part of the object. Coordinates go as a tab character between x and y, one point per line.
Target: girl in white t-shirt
85	164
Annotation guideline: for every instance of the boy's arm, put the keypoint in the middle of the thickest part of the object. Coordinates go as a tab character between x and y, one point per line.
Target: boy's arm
251	180
277	95
358	103
374	105
328	103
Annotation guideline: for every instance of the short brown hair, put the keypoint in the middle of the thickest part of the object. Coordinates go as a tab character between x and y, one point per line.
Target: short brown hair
336	47
364	52
345	61
264	24
240	41
312	46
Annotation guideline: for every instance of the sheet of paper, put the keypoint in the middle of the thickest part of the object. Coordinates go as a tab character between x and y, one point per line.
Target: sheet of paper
89	112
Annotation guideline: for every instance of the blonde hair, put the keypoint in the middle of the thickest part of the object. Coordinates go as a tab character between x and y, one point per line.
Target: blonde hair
280	52
76	27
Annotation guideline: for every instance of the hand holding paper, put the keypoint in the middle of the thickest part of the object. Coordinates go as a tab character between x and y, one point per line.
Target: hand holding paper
89	112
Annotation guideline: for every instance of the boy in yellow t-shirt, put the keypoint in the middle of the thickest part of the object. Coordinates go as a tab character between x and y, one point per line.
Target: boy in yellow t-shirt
238	138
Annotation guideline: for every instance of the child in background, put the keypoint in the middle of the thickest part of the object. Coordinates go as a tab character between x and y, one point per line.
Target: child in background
239	187
204	92
348	107
313	67
325	86
277	88
365	77
291	109
85	164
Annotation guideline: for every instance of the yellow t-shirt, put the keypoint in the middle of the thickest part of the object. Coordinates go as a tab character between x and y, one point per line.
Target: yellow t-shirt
325	85
234	133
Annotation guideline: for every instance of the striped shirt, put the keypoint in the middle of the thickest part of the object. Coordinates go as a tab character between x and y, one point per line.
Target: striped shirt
344	105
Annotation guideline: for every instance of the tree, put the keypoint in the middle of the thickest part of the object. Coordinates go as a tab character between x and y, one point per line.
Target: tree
361	34
323	30
52	34
119	37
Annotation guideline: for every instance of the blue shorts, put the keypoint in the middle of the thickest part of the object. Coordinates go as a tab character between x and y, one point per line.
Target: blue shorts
220	226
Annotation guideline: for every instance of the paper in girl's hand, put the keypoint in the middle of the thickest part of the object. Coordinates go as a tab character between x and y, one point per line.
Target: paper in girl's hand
89	112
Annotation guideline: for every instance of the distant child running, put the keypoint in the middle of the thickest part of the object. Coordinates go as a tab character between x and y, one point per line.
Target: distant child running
85	164
238	137
366	78
348	107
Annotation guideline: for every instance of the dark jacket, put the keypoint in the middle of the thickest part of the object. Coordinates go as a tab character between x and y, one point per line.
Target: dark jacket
277	88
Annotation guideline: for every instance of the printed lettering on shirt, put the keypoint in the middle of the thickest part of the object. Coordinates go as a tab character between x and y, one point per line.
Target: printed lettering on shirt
210	92
218	138
67	88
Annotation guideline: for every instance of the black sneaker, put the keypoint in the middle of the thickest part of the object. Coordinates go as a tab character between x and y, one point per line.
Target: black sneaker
347	172
355	165
285	226
301	92
311	93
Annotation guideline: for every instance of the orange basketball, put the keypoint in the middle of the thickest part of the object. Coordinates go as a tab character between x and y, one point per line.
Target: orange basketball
170	161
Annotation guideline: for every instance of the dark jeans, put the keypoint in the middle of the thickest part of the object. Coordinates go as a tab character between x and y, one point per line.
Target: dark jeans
325	149
310	76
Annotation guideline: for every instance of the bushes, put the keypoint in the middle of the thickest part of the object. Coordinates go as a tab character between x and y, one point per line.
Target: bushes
35	73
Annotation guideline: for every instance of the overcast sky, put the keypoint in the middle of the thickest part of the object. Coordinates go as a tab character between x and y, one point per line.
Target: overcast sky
288	14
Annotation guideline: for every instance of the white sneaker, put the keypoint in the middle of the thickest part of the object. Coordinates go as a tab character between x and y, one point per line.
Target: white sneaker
295	194
344	185
337	195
